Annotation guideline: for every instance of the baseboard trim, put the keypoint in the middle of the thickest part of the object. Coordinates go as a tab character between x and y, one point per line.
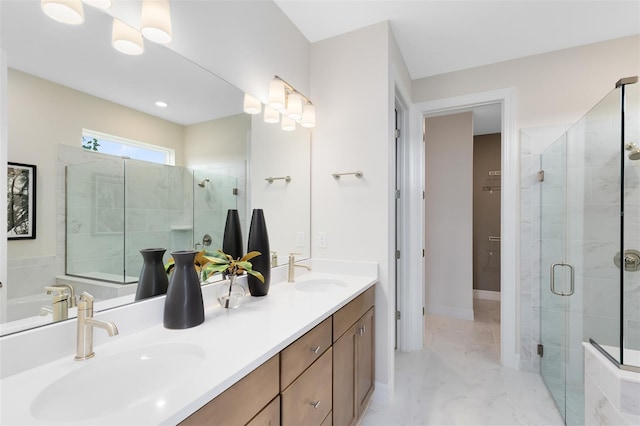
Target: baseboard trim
486	295
466	314
381	394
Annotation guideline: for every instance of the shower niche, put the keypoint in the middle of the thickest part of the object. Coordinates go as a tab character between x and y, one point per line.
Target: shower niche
116	207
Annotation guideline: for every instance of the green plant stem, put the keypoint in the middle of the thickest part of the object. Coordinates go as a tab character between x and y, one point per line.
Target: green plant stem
226	304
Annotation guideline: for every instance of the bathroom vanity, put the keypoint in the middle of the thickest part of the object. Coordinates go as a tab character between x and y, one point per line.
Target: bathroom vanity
304	354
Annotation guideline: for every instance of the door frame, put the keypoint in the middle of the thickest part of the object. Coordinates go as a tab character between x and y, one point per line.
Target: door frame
412	326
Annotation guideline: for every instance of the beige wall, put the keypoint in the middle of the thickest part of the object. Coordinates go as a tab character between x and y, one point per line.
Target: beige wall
221	141
552	88
486	212
448	215
42	114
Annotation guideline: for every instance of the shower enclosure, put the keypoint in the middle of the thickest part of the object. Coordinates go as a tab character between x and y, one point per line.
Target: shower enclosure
115	207
590	234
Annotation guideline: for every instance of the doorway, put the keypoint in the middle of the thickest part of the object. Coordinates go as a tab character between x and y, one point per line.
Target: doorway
413	324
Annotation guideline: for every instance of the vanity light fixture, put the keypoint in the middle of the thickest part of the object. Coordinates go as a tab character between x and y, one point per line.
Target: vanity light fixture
293	105
126	39
288	125
271	115
252	105
155	21
100	4
66	11
161	104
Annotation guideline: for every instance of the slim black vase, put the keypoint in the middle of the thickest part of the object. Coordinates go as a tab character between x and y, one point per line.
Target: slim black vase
259	241
153	279
232	239
183	307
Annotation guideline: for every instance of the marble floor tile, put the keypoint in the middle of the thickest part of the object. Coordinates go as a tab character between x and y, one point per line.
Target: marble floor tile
457	379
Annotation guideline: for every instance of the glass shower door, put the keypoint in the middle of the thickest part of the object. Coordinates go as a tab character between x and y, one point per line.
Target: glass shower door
580	236
553	329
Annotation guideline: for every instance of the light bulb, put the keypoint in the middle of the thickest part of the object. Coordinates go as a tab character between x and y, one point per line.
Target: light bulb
308	116
271	115
276	94
66	11
155	21
288	125
126	39
252	105
294	106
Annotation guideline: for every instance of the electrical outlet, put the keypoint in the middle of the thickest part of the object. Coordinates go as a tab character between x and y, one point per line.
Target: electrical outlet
300	239
322	239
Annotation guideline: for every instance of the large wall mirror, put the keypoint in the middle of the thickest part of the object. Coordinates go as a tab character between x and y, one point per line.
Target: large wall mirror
95	211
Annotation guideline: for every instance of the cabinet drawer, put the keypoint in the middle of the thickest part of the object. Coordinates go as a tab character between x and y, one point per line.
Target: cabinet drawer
352	312
303	352
308	400
269	416
242	401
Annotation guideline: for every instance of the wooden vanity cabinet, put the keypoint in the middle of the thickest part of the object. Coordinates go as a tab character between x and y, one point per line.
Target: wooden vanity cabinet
324	378
353	359
239	404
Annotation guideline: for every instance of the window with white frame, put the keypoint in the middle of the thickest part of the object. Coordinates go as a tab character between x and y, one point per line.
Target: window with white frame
121	147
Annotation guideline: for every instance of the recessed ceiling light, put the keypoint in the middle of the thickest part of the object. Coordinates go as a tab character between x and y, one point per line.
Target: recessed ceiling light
161	104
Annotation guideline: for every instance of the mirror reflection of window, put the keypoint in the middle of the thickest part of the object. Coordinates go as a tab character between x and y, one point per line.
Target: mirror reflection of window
121	147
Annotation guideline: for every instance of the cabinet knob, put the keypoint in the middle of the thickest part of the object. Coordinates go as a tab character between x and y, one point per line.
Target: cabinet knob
362	330
315	350
315	405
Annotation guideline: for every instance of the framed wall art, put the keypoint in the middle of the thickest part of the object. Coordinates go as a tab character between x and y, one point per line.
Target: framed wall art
21	201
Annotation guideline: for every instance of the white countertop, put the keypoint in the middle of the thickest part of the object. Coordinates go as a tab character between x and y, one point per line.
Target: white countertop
233	342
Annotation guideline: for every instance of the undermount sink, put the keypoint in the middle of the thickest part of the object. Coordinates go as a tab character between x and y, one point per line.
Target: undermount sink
319	285
106	385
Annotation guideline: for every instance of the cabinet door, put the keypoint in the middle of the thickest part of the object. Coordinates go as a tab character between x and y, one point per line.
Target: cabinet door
308	400
365	360
344	378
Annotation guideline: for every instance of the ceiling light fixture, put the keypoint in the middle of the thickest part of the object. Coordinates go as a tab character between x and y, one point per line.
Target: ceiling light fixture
126	39
65	11
161	104
155	21
252	105
298	107
100	4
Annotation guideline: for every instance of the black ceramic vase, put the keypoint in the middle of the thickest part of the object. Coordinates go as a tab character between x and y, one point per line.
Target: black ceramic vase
183	307
259	241
153	279
232	239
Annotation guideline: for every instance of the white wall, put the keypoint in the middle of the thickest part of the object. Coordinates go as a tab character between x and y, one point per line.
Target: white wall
43	114
449	215
244	42
3	182
350	88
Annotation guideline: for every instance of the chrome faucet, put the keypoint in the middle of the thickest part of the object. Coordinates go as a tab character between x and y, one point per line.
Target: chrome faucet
72	293
86	323
292	266
60	306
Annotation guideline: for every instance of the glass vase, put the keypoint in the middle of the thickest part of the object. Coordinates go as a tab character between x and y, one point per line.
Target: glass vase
230	294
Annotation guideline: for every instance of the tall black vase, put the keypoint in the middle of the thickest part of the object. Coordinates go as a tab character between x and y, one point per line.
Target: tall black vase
259	241
183	307
232	239
153	279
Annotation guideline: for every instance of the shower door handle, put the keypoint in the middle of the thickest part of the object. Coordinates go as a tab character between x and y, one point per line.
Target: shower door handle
552	280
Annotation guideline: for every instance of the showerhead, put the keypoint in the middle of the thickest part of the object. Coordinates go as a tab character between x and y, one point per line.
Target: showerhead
201	184
634	153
